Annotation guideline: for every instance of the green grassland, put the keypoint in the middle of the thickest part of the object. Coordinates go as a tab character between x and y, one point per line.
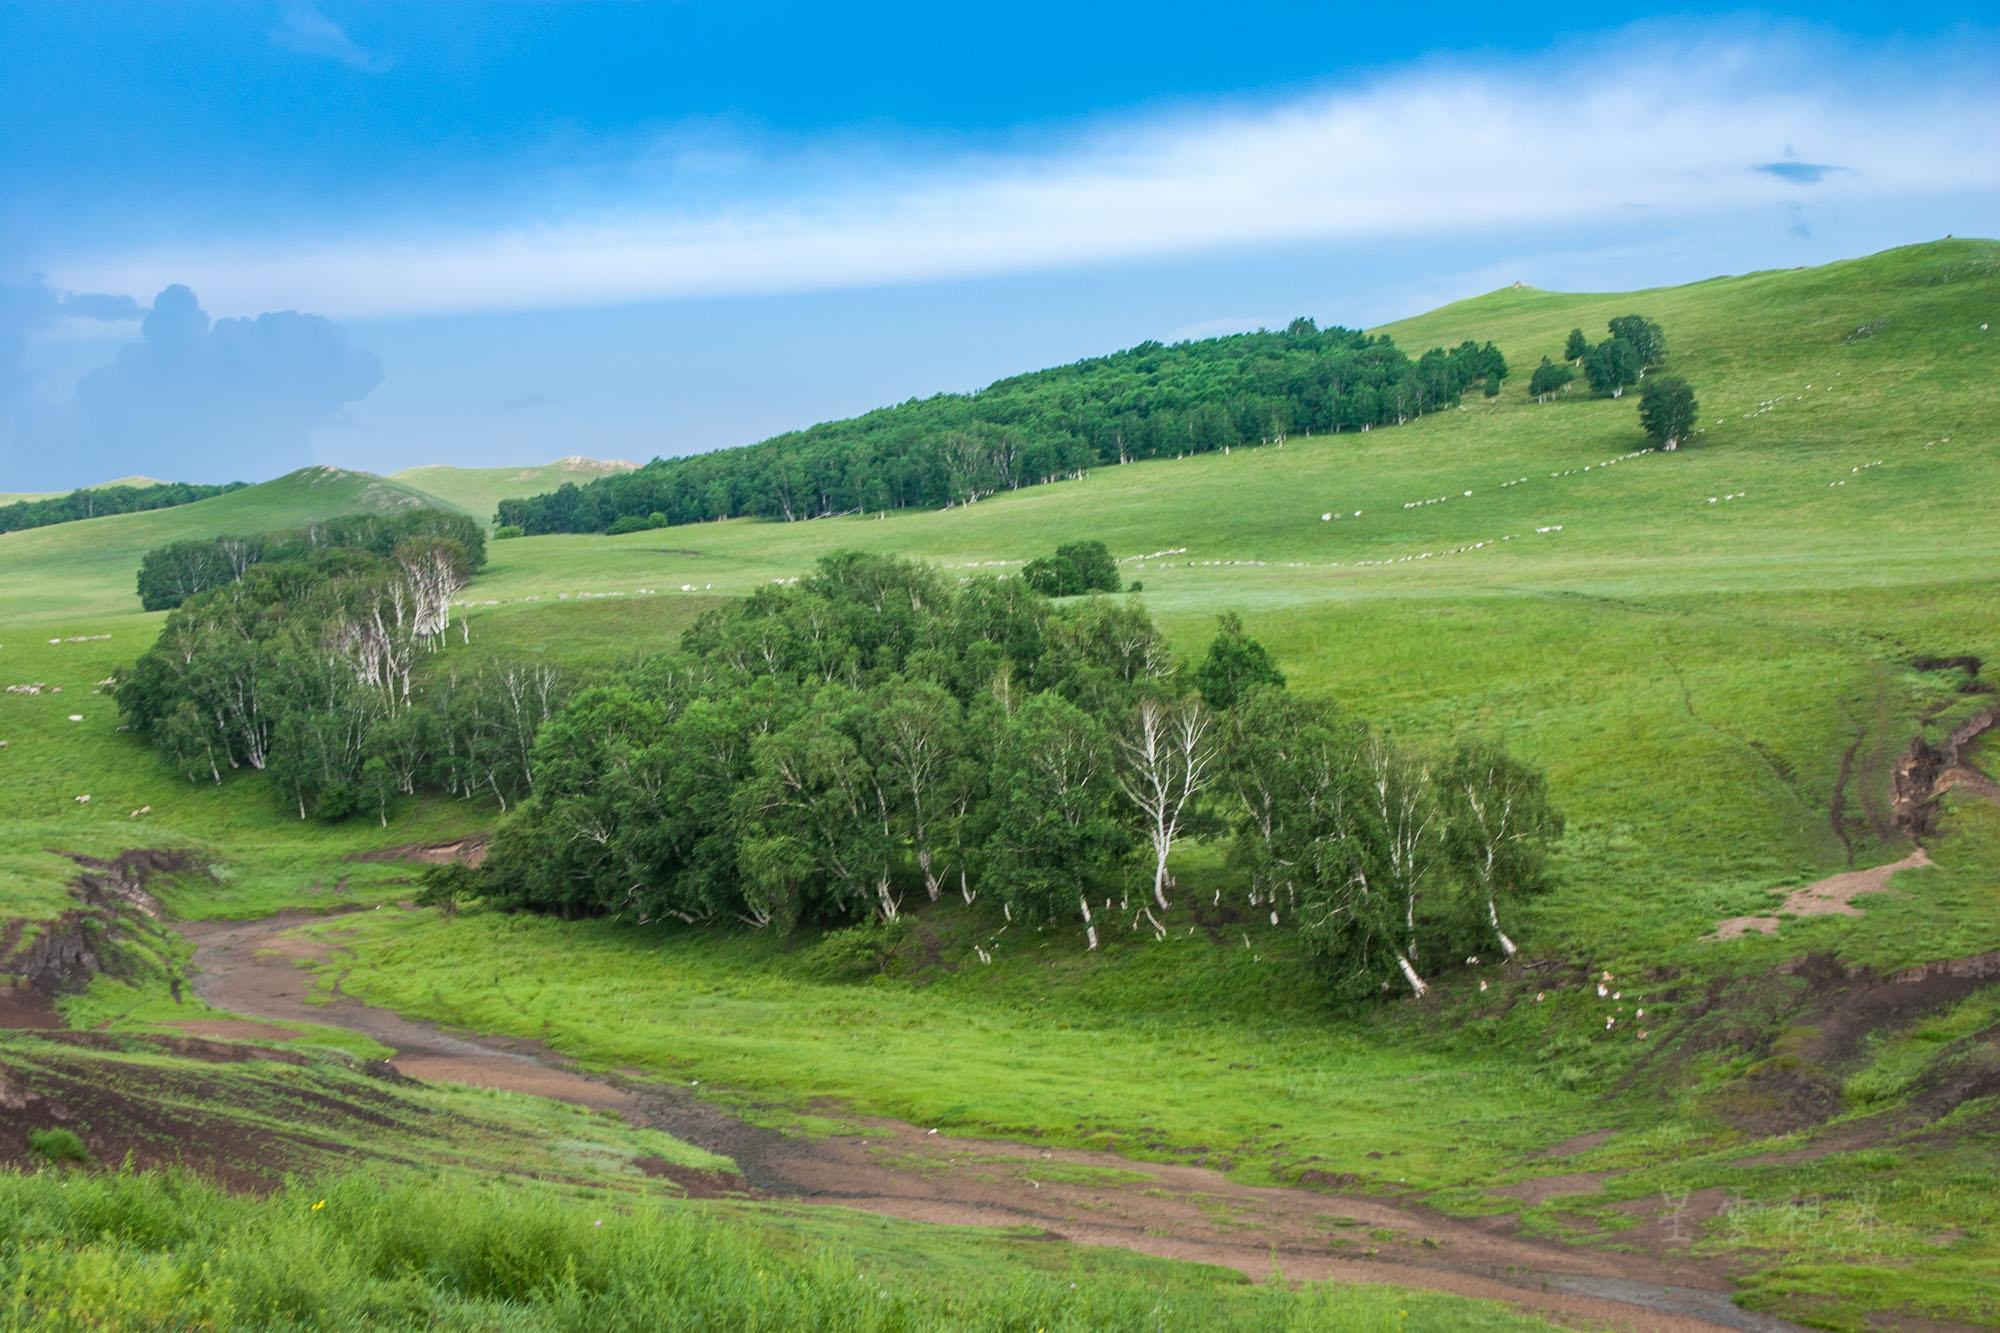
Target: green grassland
150	1251
1696	675
477	490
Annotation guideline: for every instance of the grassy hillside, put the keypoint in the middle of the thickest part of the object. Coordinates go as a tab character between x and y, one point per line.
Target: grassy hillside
78	573
1713	652
477	490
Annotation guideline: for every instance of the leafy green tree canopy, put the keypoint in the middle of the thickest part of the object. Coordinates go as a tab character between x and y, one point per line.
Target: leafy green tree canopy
1549	379
1235	665
1668	410
1611	365
1074	569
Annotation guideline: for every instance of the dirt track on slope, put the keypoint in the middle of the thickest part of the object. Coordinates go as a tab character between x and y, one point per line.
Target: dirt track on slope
906	1171
1832	896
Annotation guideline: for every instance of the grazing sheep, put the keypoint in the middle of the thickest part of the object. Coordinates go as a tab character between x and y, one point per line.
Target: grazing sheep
76	717
83	800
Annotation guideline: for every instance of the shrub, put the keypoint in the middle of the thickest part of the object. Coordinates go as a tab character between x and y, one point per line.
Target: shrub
58	1145
507	532
1075	568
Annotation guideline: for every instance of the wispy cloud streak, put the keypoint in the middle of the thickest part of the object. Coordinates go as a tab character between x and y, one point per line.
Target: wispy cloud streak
1673	132
304	30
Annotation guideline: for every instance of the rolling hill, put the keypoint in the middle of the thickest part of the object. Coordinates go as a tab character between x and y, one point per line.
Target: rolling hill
1720	656
478	489
75	572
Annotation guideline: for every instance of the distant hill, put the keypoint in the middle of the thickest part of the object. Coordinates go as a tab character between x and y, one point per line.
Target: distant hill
130	496
135	481
1150	401
479	490
86	568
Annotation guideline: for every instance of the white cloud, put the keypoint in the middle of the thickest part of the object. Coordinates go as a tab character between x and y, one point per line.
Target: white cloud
303	29
1643	128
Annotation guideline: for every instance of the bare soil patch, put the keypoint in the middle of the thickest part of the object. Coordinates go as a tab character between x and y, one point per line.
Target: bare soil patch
1832	896
1581	1143
168	1122
464	851
233	1029
1926	772
1543	1188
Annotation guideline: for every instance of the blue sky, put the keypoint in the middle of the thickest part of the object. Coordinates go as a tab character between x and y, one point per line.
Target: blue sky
486	234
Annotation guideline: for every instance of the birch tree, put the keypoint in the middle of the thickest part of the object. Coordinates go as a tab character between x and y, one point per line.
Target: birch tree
1500	828
1055	839
1166	761
1405	802
914	731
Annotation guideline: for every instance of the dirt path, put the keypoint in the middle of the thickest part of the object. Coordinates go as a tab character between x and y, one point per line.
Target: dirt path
1832	896
901	1170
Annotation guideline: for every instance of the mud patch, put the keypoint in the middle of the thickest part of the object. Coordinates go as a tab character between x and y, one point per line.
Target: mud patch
234	1029
1805	1029
1926	772
1544	1188
1578	1144
696	1183
465	851
1832	896
59	957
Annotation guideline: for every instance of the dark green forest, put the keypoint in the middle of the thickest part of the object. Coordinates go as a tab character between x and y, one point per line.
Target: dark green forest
1153	401
98	501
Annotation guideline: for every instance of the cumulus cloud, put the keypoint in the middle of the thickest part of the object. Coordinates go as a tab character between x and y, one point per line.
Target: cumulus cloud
31	308
1647	129
304	30
198	399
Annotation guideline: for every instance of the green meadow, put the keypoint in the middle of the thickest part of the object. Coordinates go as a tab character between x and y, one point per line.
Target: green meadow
1712	653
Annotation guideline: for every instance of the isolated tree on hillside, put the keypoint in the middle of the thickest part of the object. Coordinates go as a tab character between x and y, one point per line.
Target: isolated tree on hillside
1074	569
1548	380
1668	410
1649	341
1166	761
1499	829
1611	365
1577	347
1236	664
